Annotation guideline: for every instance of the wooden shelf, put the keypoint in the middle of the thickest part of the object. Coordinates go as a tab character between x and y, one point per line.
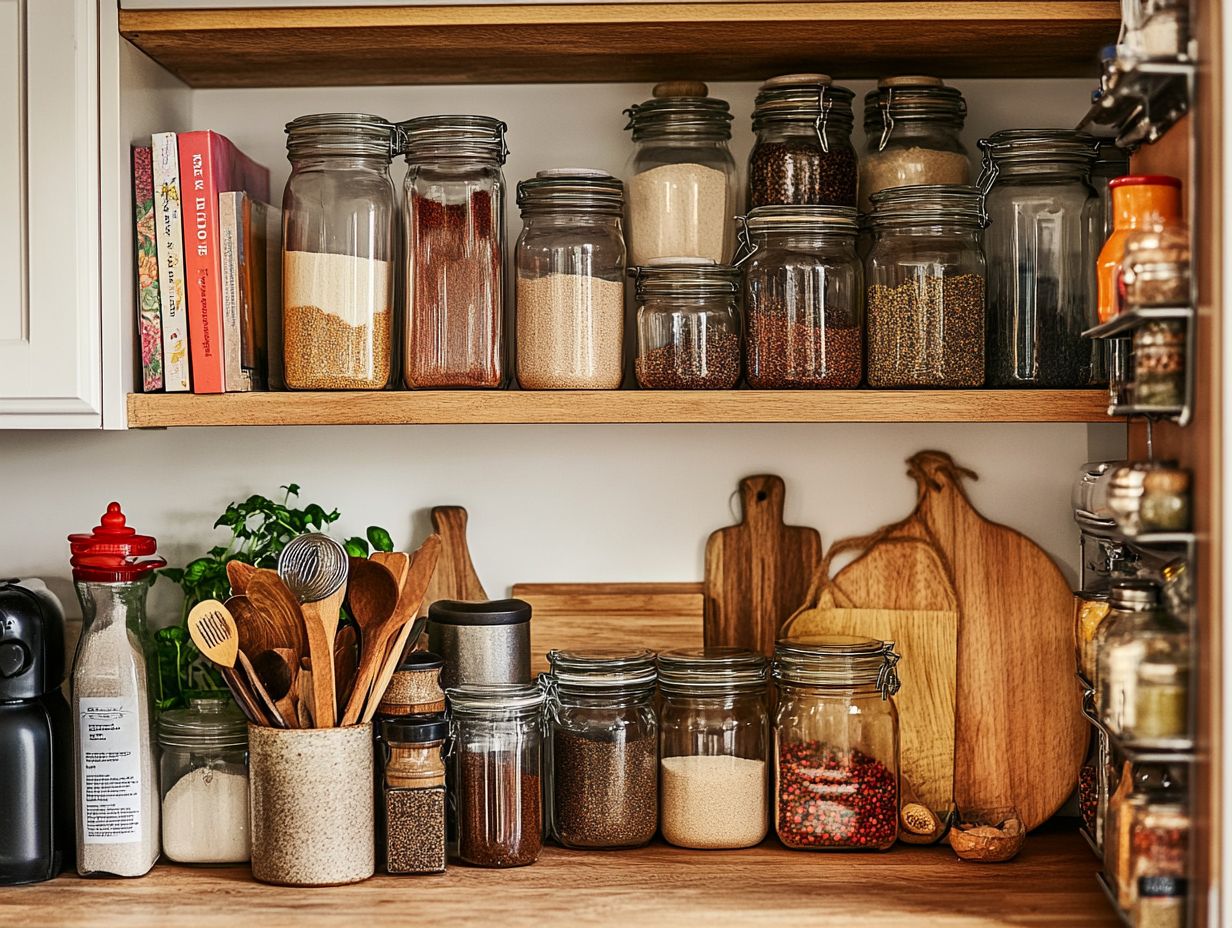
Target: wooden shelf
1050	884
461	407
647	41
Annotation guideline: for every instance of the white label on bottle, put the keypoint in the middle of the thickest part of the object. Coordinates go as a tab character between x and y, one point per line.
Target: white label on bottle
111	789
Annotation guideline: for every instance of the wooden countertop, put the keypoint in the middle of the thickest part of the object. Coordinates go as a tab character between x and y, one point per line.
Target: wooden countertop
1051	883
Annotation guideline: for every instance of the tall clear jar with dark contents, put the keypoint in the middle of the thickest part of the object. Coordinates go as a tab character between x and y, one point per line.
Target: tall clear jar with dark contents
339	253
913	127
803	297
454	226
1041	248
836	743
803	153
714	747
604	748
924	286
571	281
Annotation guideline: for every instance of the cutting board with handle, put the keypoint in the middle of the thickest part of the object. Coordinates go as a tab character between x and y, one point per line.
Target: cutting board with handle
758	572
899	589
455	576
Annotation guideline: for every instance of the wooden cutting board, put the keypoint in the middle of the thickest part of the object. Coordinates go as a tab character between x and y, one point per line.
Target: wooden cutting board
455	576
758	572
659	616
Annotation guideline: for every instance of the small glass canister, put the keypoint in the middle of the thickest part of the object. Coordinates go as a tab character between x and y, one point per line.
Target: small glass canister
1092	609
571	281
688	325
1161	712
1155	269
803	297
339	221
1160	861
604	748
714	747
415	687
204	776
1159	365
836	743
412	825
1165	500
497	751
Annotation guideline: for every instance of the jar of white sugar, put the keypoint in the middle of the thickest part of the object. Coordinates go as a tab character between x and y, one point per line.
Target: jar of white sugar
682	177
714	734
570	281
204	774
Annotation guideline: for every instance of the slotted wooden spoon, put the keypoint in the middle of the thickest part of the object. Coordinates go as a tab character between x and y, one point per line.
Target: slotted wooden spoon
212	629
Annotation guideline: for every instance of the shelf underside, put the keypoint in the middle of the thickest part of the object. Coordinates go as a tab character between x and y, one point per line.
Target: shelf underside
462	407
648	41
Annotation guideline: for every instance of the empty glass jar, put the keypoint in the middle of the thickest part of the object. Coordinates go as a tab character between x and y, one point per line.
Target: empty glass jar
803	297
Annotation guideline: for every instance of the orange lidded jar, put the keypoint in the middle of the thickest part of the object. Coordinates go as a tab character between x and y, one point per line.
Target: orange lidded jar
1139	201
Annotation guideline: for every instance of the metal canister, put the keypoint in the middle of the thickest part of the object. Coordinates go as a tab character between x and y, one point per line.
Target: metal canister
481	642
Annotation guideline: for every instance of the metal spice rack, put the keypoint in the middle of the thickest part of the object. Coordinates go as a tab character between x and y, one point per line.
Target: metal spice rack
1142	99
1123	327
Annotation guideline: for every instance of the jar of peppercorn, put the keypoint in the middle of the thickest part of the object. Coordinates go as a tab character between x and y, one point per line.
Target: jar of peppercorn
803	153
803	297
836	743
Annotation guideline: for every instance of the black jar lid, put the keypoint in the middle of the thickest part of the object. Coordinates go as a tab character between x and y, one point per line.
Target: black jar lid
496	612
418	661
414	729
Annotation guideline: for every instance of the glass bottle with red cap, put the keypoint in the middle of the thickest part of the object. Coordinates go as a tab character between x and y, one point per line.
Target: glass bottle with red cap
1140	202
116	776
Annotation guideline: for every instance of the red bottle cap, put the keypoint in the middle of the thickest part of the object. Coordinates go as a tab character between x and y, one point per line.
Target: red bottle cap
109	553
1143	180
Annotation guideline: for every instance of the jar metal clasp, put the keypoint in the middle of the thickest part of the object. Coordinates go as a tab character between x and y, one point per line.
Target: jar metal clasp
745	246
887	120
887	677
823	115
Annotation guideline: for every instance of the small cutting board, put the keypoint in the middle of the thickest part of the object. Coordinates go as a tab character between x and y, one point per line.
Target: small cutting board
454	577
758	572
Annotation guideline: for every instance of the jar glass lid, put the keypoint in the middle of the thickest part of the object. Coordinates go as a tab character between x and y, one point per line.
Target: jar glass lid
837	661
711	670
1041	146
603	669
572	191
494	698
928	203
919	99
691	117
454	137
353	134
807	101
685	277
208	722
781	218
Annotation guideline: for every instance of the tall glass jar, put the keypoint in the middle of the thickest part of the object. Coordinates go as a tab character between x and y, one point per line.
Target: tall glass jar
604	747
204	775
497	743
339	222
803	297
836	743
1041	247
924	281
688	325
682	179
803	153
454	225
1111	162
571	281
412	807
913	127
714	747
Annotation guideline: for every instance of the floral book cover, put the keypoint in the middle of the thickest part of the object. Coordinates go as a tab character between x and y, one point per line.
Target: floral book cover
149	306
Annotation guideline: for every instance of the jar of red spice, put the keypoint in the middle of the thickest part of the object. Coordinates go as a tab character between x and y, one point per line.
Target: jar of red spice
836	743
454	225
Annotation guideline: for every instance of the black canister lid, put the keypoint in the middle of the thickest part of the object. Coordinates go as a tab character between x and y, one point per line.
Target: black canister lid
414	729
418	661
496	612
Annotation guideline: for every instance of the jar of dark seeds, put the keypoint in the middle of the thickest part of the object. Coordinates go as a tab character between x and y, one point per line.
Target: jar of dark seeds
412	837
688	325
604	746
803	153
803	297
496	761
924	282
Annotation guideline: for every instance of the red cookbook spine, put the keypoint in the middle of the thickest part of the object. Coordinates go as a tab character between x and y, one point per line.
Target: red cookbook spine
202	268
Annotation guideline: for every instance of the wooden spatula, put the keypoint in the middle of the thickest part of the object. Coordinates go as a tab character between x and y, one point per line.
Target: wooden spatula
372	595
212	629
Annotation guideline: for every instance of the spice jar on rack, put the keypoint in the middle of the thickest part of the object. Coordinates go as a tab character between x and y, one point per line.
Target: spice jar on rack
682	177
836	743
688	325
1136	629
1161	697
1159	864
924	281
913	126
604	748
454	226
1159	365
571	281
714	747
1146	202
803	297
803	153
339	215
412	834
1165	500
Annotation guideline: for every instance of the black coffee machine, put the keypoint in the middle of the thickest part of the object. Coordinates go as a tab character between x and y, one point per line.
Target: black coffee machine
36	748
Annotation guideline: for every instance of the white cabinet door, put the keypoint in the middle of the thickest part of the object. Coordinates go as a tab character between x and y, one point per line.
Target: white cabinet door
50	346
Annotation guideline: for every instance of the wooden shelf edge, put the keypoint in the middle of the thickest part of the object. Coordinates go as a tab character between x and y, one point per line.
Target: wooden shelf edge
515	407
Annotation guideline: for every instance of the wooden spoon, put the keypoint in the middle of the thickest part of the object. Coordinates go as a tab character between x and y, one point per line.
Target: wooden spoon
239	573
277	670
373	596
281	617
212	629
346	662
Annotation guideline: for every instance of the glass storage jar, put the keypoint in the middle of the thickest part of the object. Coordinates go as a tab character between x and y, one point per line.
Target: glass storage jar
1141	785
836	743
204	776
803	297
802	155
1041	248
1165	500
1161	698
454	226
604	748
496	734
912	126
1159	365
1092	609
1111	161
688	325
1140	202
411	838
924	284
571	281
1155	269
339	221
682	178
1159	864
1136	628
713	747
